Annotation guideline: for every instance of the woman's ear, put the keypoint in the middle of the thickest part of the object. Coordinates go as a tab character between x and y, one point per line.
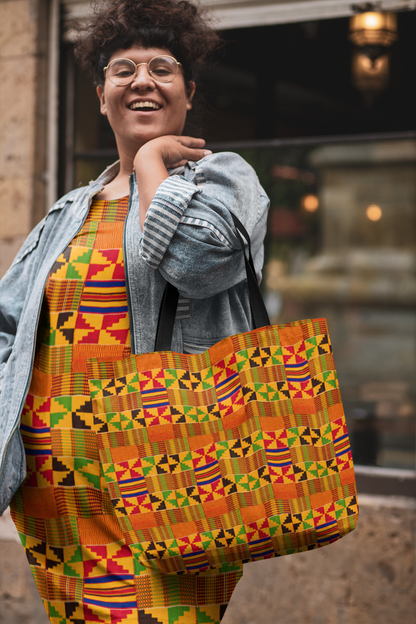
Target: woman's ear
101	97
190	91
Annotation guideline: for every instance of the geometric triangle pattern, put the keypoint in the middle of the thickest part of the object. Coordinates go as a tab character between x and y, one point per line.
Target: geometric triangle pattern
254	425
68	523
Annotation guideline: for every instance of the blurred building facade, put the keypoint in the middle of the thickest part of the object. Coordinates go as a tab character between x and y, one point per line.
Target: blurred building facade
337	154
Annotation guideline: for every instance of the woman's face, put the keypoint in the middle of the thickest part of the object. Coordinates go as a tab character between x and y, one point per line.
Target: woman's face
134	126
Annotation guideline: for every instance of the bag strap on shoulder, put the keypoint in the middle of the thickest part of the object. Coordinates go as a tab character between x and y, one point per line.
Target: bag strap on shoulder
167	312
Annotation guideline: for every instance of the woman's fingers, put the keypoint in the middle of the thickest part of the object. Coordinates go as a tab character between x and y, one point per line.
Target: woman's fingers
190	141
194	147
184	148
174	149
191	152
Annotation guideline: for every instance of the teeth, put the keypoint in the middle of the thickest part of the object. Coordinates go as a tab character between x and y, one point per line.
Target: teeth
137	105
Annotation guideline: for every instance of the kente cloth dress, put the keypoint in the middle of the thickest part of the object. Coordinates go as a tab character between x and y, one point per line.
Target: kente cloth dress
83	568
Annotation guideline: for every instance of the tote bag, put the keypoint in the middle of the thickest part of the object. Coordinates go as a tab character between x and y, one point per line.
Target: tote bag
240	453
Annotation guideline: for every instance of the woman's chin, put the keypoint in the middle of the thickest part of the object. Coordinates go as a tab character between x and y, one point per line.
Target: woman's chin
133	140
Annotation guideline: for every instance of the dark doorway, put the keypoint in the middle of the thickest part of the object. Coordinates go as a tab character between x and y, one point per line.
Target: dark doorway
293	80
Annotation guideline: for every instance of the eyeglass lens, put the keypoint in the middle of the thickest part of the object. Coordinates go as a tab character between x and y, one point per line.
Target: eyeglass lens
162	68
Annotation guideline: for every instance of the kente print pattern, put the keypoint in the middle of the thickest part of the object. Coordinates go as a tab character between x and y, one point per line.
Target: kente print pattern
84	570
238	454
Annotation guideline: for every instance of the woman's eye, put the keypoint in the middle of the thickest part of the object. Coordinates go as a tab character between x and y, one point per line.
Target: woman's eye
161	71
124	73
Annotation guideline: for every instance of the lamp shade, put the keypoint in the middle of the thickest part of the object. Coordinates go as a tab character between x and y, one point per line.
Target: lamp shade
373	29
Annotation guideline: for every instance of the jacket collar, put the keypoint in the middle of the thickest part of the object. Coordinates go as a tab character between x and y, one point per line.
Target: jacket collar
95	186
108	174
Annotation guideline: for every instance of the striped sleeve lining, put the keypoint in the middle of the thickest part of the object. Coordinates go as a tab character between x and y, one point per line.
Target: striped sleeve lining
163	217
183	311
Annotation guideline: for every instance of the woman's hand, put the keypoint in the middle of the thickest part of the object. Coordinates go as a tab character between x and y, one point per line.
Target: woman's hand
173	150
153	159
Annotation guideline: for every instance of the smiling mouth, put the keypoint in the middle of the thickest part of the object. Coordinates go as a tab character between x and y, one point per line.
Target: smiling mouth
144	106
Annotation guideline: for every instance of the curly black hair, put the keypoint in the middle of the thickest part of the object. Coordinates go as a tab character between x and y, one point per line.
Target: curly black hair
176	25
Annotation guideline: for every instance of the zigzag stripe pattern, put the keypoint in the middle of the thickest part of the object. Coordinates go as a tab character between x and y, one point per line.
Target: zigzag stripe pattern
237	454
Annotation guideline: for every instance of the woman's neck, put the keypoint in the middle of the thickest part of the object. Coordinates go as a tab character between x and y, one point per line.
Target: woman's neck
120	185
117	188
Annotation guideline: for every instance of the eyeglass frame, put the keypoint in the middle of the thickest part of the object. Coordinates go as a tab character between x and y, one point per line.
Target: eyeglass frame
121	58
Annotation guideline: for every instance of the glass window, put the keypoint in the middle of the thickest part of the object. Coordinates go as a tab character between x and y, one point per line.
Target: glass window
87	141
341	245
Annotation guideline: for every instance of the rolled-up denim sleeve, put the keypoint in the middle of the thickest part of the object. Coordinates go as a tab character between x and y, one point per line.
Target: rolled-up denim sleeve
188	233
164	216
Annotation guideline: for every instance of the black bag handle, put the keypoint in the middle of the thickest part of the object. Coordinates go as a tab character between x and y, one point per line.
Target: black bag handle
167	312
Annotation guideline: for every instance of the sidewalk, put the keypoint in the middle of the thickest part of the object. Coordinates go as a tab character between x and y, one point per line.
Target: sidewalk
368	577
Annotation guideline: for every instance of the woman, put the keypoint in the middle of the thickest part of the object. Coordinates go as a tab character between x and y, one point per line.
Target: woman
88	283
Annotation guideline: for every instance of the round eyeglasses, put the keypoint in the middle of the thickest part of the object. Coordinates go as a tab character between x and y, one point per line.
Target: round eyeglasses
123	71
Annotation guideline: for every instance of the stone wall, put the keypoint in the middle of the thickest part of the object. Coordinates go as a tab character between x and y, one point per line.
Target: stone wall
366	578
23	67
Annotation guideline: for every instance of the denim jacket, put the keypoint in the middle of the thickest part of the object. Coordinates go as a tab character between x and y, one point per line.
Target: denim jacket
188	238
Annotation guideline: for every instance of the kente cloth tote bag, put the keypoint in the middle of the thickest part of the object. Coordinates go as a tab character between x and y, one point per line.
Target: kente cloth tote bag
240	453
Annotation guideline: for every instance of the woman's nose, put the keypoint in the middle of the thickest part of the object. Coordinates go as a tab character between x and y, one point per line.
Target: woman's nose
143	79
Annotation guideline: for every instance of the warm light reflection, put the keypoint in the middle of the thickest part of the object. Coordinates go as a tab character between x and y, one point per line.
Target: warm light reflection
374	212
310	203
370	75
375	67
